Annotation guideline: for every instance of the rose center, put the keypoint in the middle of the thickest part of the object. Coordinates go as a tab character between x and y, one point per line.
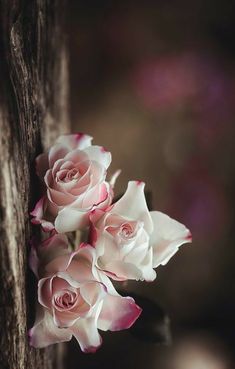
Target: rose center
126	231
65	299
66	175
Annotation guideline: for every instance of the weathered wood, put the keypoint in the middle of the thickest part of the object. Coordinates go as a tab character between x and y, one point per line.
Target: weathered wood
33	111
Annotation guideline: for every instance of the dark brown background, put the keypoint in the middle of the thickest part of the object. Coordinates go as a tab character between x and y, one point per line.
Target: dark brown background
153	82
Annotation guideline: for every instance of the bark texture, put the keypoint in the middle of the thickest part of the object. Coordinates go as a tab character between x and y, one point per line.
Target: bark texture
33	111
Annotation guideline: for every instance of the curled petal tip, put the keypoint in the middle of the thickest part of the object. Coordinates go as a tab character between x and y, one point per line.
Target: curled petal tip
91	349
114	177
189	237
136	311
79	135
103	149
140	184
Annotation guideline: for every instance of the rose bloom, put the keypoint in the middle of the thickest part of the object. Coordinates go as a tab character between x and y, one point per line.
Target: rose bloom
75	298
130	240
74	173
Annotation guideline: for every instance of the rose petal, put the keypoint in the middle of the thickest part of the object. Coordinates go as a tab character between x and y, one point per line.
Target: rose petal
148	273
99	154
65	319
89	253
56	152
59	198
77	156
132	205
96	215
118	313
43	206
52	249
37	212
167	237
93	292
106	248
86	333
102	277
123	271
60	263
70	219
94	196
45	292
138	251
45	333
76	141
78	265
114	177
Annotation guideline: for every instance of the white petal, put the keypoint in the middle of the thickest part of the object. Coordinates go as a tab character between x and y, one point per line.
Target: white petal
167	237
86	333
123	271
99	154
77	156
140	246
45	332
106	248
70	219
132	205
55	153
106	281
148	273
114	177
94	196
76	141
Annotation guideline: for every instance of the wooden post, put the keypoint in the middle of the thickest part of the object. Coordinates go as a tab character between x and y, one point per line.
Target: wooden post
33	111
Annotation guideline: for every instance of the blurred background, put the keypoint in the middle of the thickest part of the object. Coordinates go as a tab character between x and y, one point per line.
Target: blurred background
154	82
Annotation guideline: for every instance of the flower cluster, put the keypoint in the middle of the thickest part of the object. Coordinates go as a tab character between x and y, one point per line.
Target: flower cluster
126	241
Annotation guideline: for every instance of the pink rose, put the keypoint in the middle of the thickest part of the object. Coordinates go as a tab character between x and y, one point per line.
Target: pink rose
74	173
130	240
75	298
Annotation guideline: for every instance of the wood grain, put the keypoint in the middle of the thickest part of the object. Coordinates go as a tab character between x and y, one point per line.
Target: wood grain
33	111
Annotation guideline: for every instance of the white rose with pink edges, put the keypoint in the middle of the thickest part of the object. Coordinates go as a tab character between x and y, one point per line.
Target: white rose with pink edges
130	240
74	173
126	242
74	297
